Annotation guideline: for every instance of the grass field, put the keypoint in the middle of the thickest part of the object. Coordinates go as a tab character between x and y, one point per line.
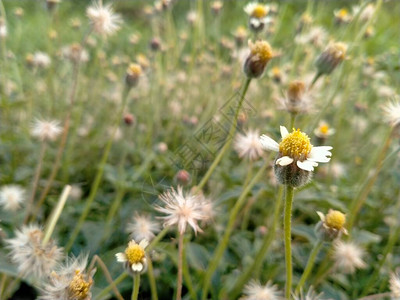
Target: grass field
156	122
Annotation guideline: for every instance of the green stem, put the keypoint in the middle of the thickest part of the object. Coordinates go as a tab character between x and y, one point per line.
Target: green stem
309	266
366	187
108	289
180	267
152	281
292	119
255	267
98	178
136	285
231	222
288	239
228	140
158	238
388	249
186	274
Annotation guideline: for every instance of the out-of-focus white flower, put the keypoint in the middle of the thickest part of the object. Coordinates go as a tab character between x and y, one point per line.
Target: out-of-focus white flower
323	130
310	295
11	197
248	145
348	257
103	19
181	209
394	283
41	60
143	228
30	255
256	291
46	130
391	111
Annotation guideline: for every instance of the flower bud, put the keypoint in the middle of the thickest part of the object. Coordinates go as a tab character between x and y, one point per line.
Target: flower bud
331	226
183	177
260	55
52	4
129	119
132	75
296	91
333	55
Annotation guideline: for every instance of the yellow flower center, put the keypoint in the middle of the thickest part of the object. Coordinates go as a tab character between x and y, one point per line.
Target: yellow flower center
324	128
276	71
135	69
260	11
262	50
295	145
343	13
79	288
134	253
335	219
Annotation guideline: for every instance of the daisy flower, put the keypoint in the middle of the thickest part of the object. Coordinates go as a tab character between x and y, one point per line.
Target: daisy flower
11	197
391	111
29	253
134	257
394	284
348	257
103	19
248	145
46	130
143	228
256	291
181	209
258	15
69	281
295	155
323	130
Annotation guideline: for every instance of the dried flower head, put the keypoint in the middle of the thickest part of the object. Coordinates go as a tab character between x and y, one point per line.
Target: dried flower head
46	130
260	55
348	257
310	295
297	156
143	228
75	53
248	145
69	281
11	197
256	291
331	225
103	19
134	257
41	60
181	209
342	16
30	255
297	100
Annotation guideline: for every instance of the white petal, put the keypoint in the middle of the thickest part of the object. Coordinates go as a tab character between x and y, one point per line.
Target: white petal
284	131
268	144
143	243
137	267
320	154
284	161
321	216
121	257
307	165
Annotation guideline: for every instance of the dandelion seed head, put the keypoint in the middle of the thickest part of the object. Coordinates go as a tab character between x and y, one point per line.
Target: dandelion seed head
248	145
256	291
103	19
394	284
46	130
143	228
11	197
348	257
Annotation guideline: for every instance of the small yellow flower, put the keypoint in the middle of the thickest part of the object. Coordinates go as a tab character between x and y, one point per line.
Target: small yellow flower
335	219
323	130
134	256
256	10
260	55
331	225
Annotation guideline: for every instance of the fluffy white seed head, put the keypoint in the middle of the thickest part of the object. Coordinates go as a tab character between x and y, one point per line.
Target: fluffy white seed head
103	19
11	197
256	291
46	130
348	257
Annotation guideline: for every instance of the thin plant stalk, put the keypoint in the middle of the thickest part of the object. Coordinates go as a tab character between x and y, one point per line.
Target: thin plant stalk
67	121
99	176
219	251
35	181
152	281
108	289
288	239
254	268
186	273
229	139
136	285
310	264
56	215
180	267
366	187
